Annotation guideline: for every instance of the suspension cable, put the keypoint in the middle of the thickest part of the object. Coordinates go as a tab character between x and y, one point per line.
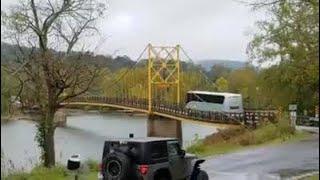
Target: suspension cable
128	69
189	58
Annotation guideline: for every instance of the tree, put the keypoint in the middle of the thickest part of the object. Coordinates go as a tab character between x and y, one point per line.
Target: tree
243	81
222	84
9	87
51	77
218	71
290	40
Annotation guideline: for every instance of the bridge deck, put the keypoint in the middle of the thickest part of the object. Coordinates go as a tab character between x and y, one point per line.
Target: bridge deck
205	123
177	112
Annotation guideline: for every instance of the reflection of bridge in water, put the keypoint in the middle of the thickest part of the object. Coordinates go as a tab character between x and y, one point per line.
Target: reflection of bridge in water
159	91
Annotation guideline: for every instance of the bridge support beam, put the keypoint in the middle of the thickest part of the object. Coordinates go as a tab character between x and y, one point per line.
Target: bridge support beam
163	127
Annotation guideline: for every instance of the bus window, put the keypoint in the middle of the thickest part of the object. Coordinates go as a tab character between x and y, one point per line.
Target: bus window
205	98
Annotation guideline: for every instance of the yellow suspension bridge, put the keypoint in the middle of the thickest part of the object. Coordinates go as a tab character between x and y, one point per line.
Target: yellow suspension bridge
159	91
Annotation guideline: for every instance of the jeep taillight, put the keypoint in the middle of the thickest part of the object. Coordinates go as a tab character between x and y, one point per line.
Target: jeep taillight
143	169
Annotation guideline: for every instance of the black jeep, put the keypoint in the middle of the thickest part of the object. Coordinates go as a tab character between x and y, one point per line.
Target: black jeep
148	159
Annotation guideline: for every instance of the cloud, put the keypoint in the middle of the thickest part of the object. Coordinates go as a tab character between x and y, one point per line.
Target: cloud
206	28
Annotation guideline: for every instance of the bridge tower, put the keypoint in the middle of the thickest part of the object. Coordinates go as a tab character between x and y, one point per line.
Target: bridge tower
163	70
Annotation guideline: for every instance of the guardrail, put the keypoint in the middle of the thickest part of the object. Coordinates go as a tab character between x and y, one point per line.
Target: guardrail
307	121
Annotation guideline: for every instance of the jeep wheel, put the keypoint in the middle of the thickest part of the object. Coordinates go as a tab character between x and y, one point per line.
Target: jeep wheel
164	177
162	174
116	166
202	175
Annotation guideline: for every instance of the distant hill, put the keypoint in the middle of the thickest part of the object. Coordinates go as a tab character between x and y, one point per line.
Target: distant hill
207	64
8	53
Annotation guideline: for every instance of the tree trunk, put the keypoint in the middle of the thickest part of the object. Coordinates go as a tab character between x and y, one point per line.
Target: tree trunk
48	149
47	67
49	158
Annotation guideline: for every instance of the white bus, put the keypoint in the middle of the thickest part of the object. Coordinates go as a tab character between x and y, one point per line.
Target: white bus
214	101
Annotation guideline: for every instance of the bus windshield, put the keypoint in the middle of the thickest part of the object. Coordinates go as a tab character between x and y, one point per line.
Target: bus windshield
205	98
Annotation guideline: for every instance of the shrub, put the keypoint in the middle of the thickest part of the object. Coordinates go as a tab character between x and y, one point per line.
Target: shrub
225	139
224	135
92	165
197	148
264	134
39	173
245	139
87	108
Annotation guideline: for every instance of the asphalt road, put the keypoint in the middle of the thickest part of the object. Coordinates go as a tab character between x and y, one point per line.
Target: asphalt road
272	162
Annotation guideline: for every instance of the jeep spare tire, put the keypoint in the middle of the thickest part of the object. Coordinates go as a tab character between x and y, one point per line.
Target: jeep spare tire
116	166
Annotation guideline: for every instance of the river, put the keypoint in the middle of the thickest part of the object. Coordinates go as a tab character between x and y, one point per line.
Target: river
84	134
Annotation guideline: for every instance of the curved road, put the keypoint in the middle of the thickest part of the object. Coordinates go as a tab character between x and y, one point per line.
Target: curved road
272	162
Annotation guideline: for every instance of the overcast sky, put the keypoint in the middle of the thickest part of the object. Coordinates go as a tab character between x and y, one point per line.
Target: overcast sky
206	29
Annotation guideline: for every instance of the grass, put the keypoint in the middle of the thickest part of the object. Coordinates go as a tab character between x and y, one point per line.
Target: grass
88	171
313	177
39	173
230	140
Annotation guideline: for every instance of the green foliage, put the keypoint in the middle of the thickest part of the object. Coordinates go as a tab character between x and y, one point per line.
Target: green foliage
312	177
9	87
218	71
194	80
285	84
222	84
92	165
244	81
203	150
291	38
40	136
58	172
133	83
39	173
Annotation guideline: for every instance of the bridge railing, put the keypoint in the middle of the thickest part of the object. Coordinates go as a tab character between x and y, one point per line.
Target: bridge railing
249	117
307	121
180	111
252	117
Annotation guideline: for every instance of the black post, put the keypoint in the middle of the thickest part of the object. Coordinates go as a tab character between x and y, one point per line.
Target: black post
131	135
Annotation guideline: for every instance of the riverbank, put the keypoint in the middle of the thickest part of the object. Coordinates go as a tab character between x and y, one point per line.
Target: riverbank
88	109
312	177
231	140
74	111
20	116
5	118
